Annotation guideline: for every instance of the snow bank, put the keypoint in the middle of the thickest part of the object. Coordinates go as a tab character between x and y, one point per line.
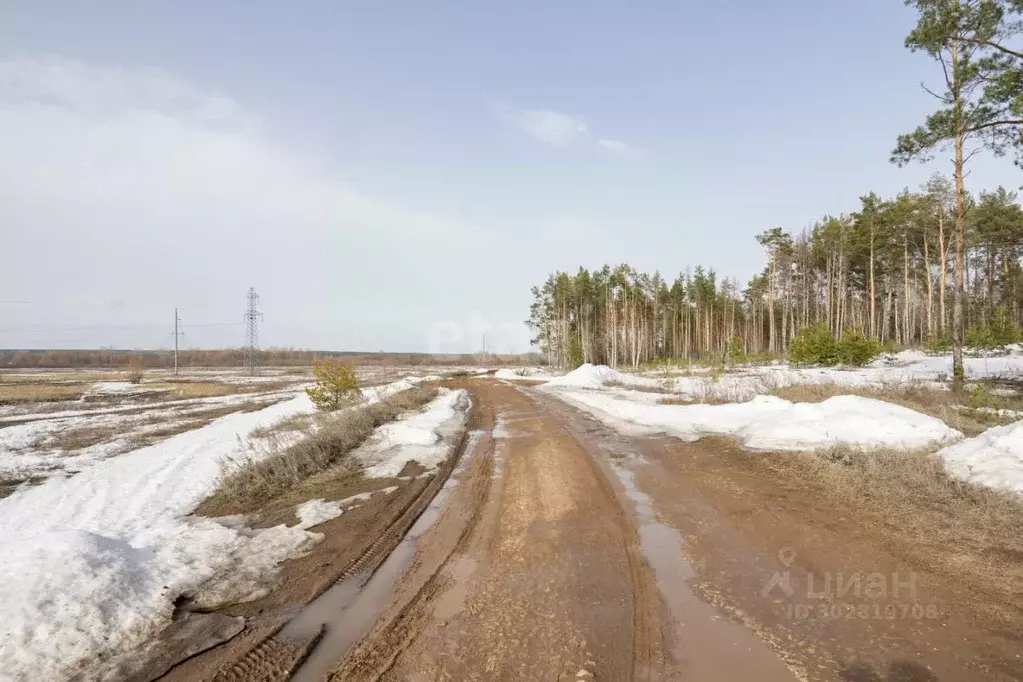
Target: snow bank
743	383
770	423
376	393
994	458
425	437
598	376
92	563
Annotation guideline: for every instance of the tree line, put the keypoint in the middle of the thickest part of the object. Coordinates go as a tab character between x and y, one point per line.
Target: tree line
235	357
920	267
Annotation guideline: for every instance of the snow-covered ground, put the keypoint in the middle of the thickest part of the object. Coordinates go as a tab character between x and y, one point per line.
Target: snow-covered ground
744	382
424	437
764	422
994	458
93	562
26	449
524	374
770	423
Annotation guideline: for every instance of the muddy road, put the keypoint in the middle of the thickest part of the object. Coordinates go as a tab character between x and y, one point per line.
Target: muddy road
560	550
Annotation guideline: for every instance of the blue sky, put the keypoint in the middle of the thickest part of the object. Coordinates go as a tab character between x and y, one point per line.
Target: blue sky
396	175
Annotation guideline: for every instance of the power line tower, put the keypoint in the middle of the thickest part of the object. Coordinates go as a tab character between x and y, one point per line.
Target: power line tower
252	316
177	335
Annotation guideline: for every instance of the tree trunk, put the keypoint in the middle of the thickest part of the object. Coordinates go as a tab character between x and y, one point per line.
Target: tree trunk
958	330
873	295
930	288
905	288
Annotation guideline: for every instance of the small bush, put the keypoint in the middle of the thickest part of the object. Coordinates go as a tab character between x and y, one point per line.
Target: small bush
856	349
814	345
939	343
336	386
575	352
136	369
736	354
999	332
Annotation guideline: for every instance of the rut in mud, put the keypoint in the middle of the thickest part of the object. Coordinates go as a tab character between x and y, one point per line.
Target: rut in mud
562	550
550	581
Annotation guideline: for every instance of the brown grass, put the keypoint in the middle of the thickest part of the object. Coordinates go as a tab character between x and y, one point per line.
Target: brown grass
665	387
958	410
9	485
298	422
252	482
70	440
675	400
39	392
965	530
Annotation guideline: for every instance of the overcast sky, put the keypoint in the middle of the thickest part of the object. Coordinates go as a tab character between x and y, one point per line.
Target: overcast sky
397	175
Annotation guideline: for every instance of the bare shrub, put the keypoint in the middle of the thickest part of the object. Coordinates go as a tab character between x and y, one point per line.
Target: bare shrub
248	483
136	369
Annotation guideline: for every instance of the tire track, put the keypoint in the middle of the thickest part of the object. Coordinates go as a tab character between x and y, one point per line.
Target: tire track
377	653
273	659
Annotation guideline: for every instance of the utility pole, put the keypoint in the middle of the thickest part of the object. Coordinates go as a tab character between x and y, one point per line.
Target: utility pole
177	334
252	316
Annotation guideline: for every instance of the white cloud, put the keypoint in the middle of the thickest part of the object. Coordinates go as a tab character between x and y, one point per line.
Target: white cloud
133	184
623	149
550	127
562	130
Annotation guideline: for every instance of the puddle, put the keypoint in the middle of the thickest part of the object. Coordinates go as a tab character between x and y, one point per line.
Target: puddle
349	608
709	645
662	545
453	599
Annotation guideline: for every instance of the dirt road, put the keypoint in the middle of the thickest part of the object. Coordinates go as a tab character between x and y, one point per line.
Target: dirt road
550	579
561	550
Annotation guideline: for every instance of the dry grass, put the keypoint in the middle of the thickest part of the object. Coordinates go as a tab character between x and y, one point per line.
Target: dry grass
252	482
9	485
675	400
182	390
960	411
965	530
298	422
664	387
70	440
39	392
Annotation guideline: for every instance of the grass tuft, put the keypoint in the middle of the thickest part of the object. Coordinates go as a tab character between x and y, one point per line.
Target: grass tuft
959	527
248	483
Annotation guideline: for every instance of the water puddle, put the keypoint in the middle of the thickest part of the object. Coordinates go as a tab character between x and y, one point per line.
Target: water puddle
709	645
349	608
453	599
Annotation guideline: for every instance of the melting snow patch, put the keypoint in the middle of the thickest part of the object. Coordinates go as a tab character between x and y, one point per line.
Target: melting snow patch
422	436
994	458
93	563
770	423
523	374
315	512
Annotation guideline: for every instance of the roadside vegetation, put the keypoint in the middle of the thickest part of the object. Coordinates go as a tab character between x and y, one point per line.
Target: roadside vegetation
249	483
336	386
967	531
